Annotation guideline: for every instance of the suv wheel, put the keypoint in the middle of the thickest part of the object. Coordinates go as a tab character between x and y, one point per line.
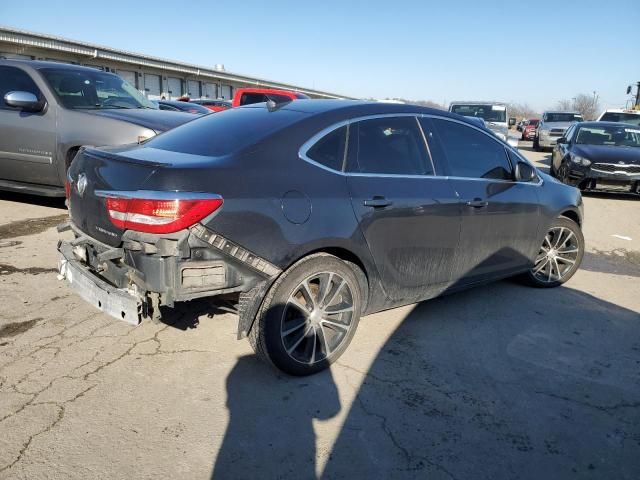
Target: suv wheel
309	316
536	144
560	255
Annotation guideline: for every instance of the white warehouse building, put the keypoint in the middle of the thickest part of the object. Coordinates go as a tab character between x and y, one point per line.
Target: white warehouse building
155	77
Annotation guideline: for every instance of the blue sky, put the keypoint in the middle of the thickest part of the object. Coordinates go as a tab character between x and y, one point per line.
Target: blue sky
534	52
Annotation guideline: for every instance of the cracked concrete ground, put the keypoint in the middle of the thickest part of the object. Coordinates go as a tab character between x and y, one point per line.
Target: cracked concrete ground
498	382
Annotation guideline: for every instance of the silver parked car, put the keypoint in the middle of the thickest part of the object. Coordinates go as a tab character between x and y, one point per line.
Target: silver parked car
49	110
551	127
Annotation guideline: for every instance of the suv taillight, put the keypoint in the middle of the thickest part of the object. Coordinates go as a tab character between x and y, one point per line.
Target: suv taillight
161	213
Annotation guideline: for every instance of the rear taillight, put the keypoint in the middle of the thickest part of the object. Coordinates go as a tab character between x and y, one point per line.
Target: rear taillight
67	189
162	212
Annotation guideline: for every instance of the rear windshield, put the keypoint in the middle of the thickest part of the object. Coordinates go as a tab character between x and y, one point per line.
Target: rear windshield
533	122
225	132
562	117
633	118
489	113
250	98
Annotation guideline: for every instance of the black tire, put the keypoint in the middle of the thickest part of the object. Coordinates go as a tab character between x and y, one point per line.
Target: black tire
268	334
552	170
562	174
536	144
539	279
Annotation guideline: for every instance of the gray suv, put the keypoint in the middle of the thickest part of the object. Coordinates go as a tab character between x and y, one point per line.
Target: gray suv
48	110
551	127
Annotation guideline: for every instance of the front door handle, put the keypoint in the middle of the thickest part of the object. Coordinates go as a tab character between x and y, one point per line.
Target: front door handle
477	203
377	202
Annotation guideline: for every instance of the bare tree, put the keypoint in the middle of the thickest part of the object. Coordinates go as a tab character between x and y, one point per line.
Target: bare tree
522	111
587	105
423	103
564	105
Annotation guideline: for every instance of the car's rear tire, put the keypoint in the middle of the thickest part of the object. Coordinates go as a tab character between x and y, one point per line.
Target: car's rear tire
559	256
536	144
309	315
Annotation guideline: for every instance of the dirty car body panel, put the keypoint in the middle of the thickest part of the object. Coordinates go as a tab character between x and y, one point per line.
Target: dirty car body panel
278	201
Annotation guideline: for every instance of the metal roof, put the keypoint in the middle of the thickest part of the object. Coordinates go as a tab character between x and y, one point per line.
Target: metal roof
92	51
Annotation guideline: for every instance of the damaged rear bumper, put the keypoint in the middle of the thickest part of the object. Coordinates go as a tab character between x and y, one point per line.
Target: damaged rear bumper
131	282
113	301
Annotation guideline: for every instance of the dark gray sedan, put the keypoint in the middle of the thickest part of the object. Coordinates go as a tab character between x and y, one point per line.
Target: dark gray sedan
315	212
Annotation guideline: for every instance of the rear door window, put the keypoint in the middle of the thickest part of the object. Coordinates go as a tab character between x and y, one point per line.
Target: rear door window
329	150
391	146
471	153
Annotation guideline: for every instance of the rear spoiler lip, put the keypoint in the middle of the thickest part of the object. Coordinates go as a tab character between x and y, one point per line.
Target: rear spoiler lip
102	154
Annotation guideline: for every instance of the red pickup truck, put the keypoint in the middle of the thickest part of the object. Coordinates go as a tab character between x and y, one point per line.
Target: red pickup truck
247	96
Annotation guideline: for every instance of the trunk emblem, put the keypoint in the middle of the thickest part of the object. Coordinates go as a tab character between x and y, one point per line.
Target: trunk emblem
81	185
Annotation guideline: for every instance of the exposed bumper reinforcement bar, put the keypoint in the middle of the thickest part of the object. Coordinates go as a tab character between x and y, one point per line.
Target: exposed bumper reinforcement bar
114	301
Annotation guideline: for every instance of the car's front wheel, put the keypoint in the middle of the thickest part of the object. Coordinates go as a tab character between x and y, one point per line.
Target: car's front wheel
309	315
559	256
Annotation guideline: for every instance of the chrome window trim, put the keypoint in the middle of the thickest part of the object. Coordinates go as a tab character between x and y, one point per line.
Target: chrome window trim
306	146
157	195
426	143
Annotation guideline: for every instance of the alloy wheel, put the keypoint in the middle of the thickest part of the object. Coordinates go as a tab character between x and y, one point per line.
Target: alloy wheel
557	256
317	318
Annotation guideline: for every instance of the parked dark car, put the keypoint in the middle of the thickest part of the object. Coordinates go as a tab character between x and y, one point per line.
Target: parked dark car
48	110
248	96
315	212
213	105
595	155
186	107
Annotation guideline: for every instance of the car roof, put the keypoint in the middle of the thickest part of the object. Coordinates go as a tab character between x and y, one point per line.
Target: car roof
622	110
477	102
607	124
173	102
356	108
562	111
39	64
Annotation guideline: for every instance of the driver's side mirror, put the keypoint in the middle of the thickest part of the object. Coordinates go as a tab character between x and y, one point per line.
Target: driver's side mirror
23	100
562	140
525	172
512	121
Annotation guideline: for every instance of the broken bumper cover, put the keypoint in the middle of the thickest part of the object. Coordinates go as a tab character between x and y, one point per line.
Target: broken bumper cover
114	301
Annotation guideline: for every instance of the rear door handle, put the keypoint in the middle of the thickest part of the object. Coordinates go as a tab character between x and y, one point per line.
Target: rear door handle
477	203
377	202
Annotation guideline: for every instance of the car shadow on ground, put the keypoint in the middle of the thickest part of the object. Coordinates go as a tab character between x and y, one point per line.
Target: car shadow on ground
51	202
497	382
187	315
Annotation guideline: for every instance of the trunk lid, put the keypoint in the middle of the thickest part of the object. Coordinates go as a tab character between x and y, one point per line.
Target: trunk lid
102	170
141	171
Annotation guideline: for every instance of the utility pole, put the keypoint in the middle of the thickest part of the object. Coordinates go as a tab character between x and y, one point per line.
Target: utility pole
638	95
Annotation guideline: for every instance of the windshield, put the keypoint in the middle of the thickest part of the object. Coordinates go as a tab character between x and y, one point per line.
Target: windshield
89	90
490	113
633	118
562	117
533	123
613	136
